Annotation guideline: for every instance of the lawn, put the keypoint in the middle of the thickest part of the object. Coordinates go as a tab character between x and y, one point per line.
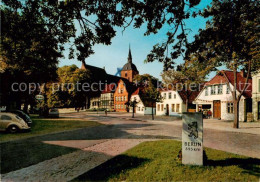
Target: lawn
43	126
157	161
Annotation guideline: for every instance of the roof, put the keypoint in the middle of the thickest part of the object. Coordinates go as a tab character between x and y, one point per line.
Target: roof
192	95
129	66
112	79
241	81
92	68
109	88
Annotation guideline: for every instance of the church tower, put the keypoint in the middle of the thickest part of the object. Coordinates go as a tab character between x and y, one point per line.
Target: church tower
129	70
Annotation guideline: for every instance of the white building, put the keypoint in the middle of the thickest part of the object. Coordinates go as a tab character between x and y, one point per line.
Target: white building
174	103
142	107
256	95
217	97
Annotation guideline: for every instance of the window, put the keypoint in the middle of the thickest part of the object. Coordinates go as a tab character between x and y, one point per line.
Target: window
142	108
220	89
164	95
177	107
125	74
122	107
230	107
138	109
259	85
122	98
119	98
212	90
174	96
158	107
228	90
121	90
170	95
162	107
206	91
125	98
5	117
173	107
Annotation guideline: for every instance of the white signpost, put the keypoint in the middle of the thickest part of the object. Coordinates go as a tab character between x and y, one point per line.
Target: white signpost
192	139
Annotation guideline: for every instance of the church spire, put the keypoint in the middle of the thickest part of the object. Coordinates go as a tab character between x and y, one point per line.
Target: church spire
129	55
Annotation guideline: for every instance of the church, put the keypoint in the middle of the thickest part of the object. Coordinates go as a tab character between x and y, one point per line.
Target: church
113	99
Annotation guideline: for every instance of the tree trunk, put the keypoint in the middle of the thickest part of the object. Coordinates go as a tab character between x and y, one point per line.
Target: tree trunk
152	113
25	108
187	103
133	114
236	114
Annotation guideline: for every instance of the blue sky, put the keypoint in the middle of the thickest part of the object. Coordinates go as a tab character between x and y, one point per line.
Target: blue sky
115	55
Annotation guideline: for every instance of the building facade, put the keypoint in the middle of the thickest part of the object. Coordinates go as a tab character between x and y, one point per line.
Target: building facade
107	97
94	102
171	105
256	95
216	96
142	107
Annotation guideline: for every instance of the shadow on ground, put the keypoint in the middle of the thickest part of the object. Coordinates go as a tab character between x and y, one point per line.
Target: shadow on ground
248	164
111	168
26	152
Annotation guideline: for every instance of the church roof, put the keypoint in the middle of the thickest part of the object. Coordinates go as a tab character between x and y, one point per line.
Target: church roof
129	65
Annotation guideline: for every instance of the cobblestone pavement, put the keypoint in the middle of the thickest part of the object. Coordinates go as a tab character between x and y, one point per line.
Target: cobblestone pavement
93	146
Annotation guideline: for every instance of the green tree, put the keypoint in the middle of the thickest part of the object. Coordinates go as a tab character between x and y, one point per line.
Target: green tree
231	38
150	93
68	91
188	77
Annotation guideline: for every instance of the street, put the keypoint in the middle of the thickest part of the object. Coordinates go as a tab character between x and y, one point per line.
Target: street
75	152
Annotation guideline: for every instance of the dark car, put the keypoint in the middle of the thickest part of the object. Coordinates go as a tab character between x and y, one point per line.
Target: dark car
22	115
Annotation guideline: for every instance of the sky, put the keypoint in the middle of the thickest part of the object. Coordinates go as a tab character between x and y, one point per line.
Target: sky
115	55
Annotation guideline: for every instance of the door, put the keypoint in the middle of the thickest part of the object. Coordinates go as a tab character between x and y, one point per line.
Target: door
216	109
258	110
167	109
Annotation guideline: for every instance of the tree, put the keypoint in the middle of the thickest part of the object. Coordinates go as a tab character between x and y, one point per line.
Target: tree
231	38
150	92
189	77
34	32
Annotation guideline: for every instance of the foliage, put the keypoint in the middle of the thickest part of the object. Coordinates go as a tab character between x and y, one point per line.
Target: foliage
231	38
150	93
68	92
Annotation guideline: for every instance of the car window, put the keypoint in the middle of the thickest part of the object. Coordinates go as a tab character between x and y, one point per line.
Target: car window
17	117
5	117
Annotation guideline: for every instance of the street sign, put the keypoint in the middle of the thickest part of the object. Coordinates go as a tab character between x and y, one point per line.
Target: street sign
192	139
39	97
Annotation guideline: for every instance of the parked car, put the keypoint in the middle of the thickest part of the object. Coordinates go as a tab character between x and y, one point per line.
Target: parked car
54	113
12	123
23	115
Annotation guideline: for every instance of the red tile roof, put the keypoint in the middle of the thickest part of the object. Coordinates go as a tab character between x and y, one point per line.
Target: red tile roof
241	81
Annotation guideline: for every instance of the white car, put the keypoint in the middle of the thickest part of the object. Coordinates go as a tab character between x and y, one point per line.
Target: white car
12	123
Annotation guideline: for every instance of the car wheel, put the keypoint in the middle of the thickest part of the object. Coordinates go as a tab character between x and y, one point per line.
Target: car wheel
13	129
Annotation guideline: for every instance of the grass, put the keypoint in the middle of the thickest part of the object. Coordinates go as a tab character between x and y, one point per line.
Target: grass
157	161
43	126
17	154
